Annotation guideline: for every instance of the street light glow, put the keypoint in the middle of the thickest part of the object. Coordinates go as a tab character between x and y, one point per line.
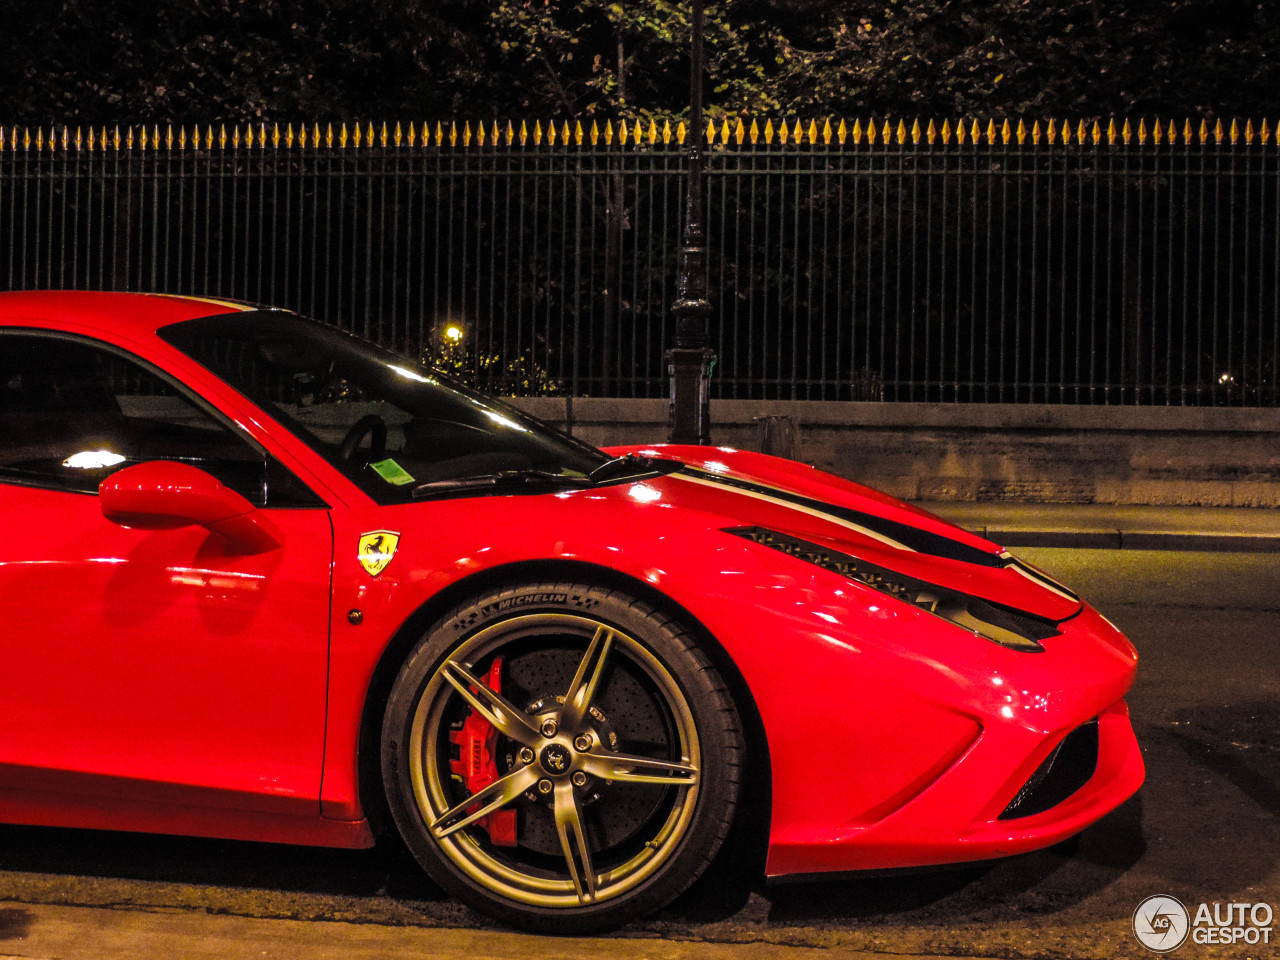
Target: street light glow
453	333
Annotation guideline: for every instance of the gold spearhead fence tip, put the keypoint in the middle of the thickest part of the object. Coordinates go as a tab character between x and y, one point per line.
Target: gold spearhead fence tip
916	132
128	138
946	132
1036	133
666	131
511	133
741	133
1096	133
1264	133
991	132
725	132
975	133
328	135
1022	131
755	132
1006	132
1082	134
1051	128
398	135
595	133
1218	132
1111	132
842	132
1235	131
826	131
856	132
551	133
453	134
577	133
608	133
413	133
537	133
288	135
782	132
357	135
1126	132
680	134
1157	134
813	131
66	137
1142	132
622	133
439	134
960	132
930	132
901	133
248	135
1187	134
480	135
369	135
1204	131
342	137
886	132
524	133
711	133
768	132
40	138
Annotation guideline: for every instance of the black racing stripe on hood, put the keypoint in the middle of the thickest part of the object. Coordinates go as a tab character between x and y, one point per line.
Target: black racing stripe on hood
922	541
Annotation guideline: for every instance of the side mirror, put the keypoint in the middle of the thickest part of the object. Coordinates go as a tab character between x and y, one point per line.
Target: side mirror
163	495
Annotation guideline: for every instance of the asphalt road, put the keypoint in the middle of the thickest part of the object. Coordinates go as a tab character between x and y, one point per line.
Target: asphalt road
1205	828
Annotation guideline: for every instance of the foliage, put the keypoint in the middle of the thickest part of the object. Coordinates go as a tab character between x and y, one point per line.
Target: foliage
210	60
522	376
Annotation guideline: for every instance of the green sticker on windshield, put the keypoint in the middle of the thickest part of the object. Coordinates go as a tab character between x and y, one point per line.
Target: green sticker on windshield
392	472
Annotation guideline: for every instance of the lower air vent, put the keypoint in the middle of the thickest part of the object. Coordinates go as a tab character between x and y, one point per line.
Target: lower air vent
1067	768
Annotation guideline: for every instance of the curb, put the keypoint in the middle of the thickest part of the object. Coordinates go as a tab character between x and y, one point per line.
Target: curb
1131	540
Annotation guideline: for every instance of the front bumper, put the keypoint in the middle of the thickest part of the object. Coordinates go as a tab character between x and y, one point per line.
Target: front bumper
962	814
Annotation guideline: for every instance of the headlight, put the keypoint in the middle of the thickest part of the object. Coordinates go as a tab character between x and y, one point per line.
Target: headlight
1015	629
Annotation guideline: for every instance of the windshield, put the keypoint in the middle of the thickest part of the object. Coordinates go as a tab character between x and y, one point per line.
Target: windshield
389	423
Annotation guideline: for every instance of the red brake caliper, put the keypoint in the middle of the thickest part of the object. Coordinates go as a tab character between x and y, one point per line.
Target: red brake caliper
476	742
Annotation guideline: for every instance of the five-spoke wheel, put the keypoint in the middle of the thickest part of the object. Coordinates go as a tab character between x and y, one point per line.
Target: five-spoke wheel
561	756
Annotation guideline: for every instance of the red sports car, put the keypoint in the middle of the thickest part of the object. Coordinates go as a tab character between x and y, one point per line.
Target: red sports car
263	580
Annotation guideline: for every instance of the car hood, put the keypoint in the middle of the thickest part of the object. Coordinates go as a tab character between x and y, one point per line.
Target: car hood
829	520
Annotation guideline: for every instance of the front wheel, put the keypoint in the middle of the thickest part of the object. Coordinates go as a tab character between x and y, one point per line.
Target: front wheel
562	757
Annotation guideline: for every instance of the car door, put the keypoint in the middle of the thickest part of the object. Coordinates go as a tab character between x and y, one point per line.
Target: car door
149	666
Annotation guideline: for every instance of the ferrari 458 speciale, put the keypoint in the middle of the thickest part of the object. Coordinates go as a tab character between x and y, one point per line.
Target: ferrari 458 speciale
264	580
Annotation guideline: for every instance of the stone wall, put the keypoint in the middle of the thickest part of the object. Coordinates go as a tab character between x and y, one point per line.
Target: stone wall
1045	454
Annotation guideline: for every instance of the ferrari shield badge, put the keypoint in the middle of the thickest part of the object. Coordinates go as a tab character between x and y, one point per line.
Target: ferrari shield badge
376	550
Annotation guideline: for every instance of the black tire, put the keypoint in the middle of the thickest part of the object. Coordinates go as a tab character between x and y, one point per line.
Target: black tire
607	828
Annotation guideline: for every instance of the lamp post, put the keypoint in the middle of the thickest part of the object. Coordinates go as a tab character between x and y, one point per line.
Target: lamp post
689	361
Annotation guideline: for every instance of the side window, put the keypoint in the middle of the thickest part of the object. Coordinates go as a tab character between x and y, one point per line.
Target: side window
73	412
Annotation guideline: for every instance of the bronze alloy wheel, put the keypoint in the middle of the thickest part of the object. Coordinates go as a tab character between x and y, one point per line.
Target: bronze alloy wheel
570	757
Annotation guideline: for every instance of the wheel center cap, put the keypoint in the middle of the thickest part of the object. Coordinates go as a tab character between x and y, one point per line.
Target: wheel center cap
555	758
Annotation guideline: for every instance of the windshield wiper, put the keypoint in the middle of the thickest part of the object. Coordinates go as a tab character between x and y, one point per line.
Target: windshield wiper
631	465
500	480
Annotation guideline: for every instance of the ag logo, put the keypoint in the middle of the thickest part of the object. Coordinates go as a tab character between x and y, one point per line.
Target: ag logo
376	550
1161	923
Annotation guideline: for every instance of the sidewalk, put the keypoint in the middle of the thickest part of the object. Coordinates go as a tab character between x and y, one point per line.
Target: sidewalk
1113	527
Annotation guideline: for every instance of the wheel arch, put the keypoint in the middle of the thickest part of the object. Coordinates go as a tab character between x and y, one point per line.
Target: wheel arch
750	830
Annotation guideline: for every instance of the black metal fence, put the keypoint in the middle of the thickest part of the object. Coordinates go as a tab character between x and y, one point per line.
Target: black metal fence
1055	263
